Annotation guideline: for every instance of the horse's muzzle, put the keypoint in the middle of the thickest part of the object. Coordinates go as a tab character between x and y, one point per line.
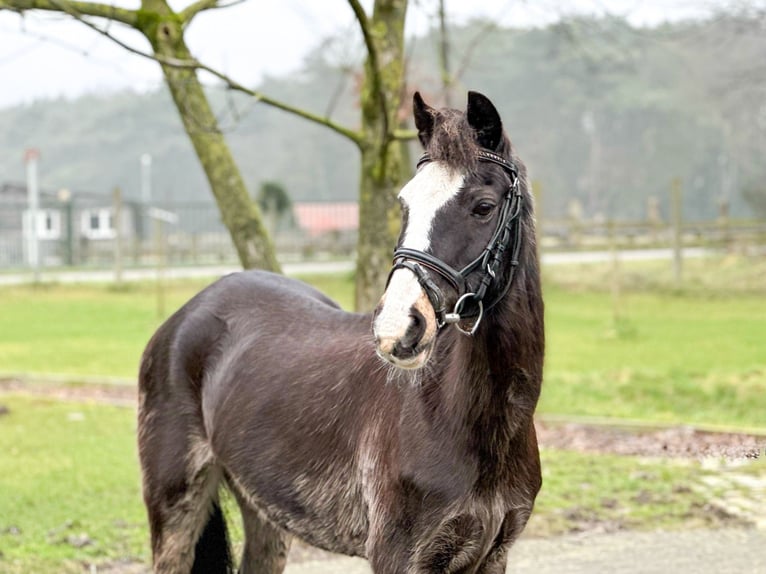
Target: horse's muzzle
404	333
407	351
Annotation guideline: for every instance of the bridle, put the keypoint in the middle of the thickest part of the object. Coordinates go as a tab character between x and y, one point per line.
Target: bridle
507	234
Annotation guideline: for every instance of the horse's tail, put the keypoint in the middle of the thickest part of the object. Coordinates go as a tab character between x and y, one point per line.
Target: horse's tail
212	554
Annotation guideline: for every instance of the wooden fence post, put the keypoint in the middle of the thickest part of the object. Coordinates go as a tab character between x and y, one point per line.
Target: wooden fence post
723	224
614	274
677	219
117	222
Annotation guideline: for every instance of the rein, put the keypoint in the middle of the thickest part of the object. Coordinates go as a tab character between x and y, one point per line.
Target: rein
507	234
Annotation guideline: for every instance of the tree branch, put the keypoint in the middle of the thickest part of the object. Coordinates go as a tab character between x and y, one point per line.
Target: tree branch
372	53
484	32
78	10
234	85
405	135
106	11
228	81
188	13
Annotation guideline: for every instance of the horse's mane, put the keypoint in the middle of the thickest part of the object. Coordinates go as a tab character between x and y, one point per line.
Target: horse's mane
453	140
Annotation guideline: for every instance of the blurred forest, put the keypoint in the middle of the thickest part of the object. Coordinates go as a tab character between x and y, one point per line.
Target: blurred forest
602	112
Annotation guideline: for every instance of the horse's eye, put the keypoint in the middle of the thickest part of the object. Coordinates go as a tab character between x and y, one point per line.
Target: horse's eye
483	209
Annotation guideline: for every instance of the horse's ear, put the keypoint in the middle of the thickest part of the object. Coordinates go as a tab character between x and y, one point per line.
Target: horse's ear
483	117
424	119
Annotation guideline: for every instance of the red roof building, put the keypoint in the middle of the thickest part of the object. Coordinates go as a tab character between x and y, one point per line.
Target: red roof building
320	218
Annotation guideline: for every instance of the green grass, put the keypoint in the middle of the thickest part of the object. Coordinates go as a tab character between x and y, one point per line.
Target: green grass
83	330
674	358
97	330
722	276
610	492
69	470
679	356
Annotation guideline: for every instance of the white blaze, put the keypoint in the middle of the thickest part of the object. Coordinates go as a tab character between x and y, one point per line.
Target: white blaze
431	188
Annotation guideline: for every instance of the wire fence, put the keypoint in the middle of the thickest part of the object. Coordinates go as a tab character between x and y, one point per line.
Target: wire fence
91	233
95	231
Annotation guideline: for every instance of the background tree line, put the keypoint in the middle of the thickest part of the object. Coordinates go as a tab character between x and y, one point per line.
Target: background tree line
601	111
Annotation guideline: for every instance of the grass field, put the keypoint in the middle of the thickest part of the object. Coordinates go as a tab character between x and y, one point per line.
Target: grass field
71	492
69	483
692	356
95	330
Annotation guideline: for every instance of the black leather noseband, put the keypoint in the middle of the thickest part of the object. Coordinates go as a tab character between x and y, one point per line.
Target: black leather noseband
470	301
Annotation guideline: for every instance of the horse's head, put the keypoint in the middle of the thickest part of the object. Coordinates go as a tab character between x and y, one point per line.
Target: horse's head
458	234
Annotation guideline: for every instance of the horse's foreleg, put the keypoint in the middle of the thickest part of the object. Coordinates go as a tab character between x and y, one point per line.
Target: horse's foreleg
497	559
455	547
389	543
266	545
387	558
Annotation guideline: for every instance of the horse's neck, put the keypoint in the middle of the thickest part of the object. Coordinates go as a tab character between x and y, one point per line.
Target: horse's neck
494	377
472	376
471	412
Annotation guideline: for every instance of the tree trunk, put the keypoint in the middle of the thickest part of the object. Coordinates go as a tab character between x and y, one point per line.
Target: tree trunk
382	162
239	213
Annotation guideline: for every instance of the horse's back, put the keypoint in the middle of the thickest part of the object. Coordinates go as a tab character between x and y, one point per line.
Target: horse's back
234	301
249	311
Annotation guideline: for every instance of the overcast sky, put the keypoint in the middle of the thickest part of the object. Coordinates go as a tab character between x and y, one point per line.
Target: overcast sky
48	56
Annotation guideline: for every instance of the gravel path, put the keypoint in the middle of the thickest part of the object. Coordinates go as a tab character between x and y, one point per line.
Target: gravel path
65	275
690	552
729	551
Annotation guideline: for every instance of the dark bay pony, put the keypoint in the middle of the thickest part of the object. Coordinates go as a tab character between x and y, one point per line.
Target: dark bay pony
405	436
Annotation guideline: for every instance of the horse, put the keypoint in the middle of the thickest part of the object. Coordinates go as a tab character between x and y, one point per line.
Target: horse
405	435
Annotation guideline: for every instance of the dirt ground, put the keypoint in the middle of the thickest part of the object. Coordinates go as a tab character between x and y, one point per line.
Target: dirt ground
730	550
678	441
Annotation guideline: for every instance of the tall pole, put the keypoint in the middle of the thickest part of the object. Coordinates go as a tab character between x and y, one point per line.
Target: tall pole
614	274
65	199
159	247
146	179
537	193
31	156
146	200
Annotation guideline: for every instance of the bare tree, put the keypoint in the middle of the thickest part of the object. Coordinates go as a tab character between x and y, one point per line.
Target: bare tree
378	139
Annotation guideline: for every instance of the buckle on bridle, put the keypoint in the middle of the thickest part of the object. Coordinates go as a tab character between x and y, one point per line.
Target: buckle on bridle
454	318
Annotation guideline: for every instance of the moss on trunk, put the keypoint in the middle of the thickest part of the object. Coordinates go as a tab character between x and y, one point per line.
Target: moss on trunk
239	213
382	170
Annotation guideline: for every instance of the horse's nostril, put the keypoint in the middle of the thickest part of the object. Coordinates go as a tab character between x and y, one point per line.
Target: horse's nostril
407	345
401	352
